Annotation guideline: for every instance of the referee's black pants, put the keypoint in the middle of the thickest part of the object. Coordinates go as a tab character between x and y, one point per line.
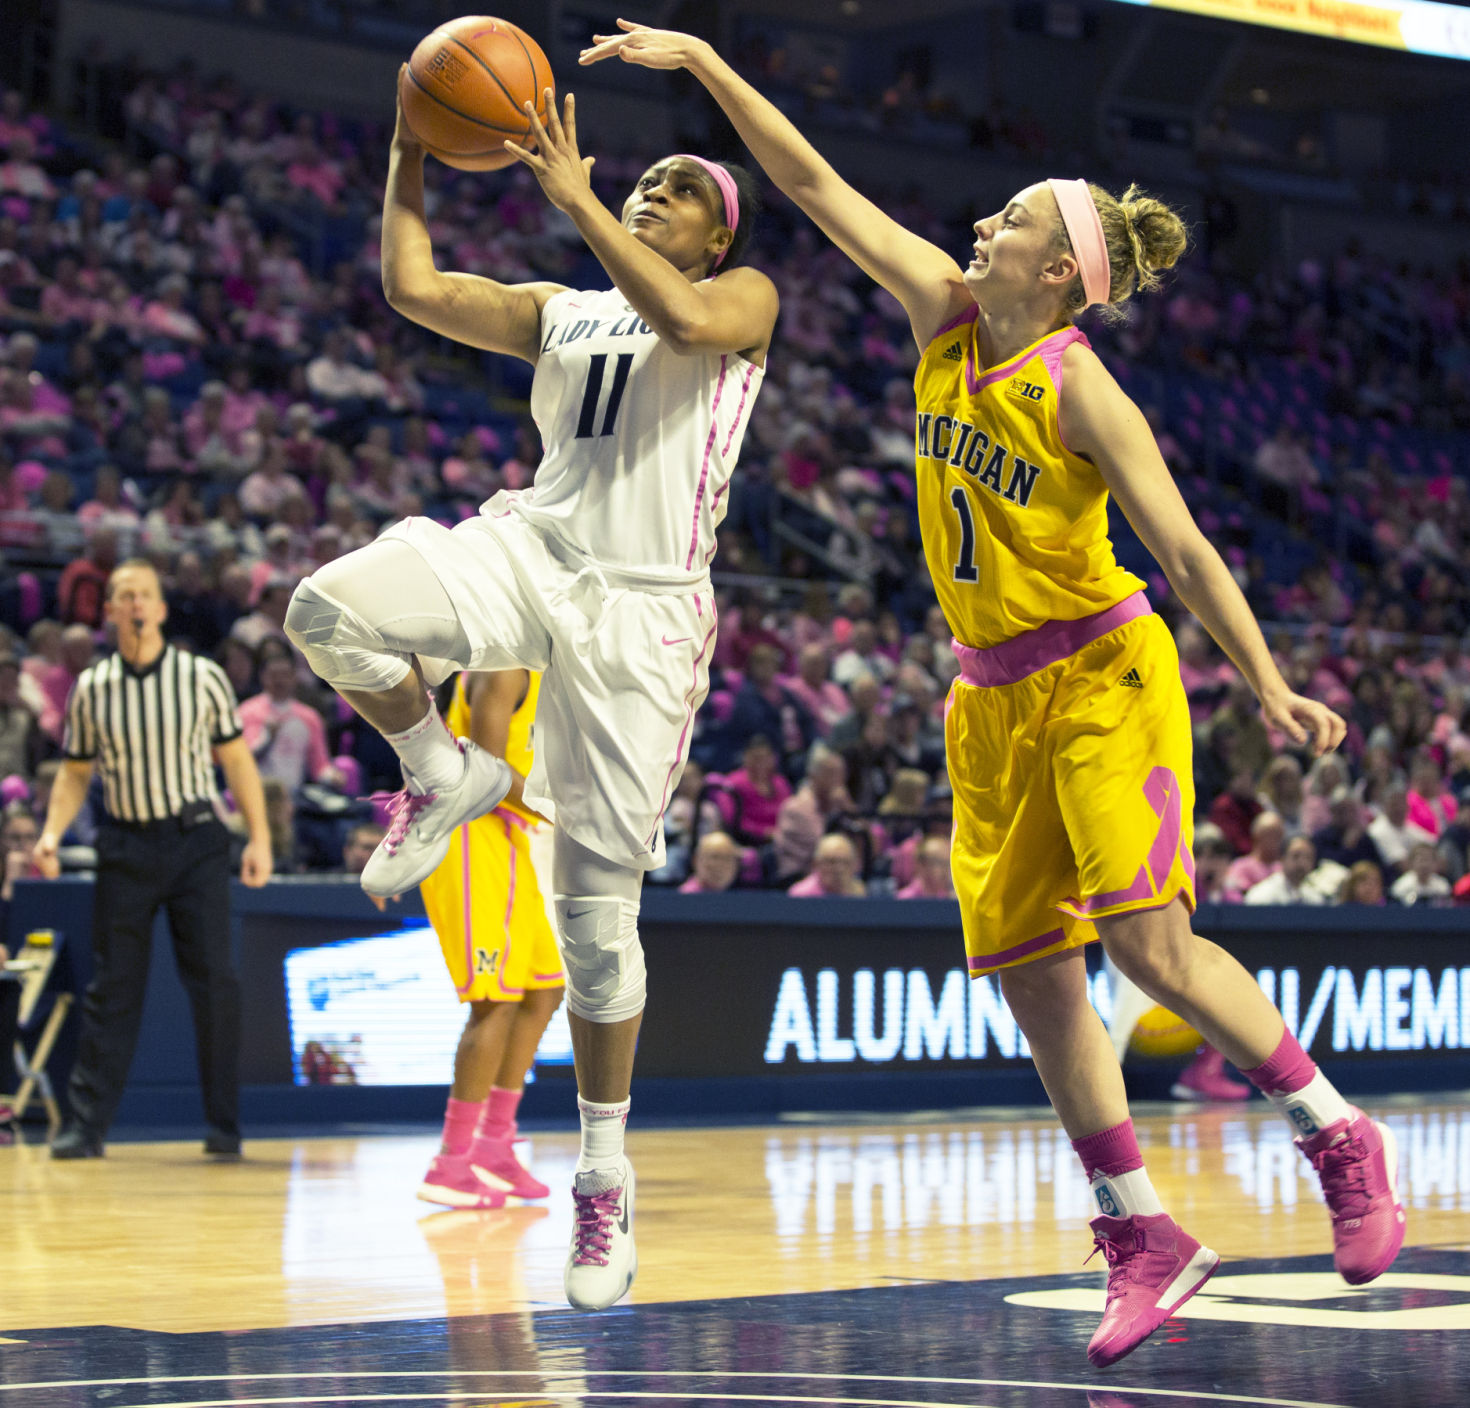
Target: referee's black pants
140	869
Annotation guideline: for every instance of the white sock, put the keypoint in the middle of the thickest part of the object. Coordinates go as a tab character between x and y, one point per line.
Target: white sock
1125	1194
1312	1108
429	752
602	1134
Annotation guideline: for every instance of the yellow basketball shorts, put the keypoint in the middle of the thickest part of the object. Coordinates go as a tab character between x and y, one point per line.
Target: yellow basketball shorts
1073	785
486	906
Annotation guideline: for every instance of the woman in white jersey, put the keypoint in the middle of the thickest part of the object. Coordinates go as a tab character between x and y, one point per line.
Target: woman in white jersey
598	576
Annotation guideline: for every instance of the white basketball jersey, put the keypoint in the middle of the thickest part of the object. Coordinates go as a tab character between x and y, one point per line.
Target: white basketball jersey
640	443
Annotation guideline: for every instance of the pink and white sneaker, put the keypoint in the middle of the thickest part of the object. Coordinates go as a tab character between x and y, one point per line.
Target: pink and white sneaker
495	1164
421	824
1358	1162
1204	1078
603	1260
452	1182
1153	1268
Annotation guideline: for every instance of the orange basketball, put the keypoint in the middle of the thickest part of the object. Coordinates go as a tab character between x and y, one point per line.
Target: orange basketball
1161	1035
465	89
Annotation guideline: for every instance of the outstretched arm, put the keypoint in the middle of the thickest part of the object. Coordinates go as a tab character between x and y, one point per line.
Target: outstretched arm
920	275
1097	420
476	311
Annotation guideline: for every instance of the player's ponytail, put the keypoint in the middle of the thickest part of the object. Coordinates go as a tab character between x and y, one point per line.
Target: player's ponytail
1144	237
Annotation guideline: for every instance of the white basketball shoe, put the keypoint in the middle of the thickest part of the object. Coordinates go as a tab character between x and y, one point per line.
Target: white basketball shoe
603	1259
422	823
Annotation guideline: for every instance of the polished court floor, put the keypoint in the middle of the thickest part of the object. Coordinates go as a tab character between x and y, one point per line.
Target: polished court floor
930	1261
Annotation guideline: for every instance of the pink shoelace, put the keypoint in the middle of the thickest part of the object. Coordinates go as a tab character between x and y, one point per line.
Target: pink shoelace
403	807
595	1214
1127	1263
1344	1171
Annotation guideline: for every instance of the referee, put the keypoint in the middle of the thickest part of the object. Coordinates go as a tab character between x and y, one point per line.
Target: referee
155	720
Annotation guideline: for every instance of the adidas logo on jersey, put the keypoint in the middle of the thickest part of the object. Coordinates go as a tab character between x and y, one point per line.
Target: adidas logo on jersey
1132	679
954	353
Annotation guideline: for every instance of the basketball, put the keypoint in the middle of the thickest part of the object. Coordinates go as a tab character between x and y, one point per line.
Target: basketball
465	88
1160	1035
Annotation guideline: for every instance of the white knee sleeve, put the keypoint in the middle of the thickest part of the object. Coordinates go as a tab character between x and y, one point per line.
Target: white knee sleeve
339	645
602	956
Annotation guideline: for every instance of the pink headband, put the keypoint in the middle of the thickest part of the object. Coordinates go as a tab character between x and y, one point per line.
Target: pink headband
1084	229
728	190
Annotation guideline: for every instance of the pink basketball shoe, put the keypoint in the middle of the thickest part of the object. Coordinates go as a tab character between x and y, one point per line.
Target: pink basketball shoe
495	1163
1204	1078
452	1182
1357	1161
1153	1268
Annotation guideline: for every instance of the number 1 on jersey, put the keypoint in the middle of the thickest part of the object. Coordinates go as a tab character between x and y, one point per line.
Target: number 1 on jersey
965	569
593	393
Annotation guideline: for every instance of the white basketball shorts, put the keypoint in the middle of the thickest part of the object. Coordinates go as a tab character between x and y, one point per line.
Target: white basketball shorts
624	662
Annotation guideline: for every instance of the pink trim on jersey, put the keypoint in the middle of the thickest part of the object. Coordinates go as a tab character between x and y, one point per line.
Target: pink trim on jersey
1166	798
469	912
1008	955
510	904
1031	651
968	316
1052	349
709	445
689	719
739	411
977	381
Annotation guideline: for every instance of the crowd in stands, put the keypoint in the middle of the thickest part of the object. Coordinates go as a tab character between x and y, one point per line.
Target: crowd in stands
198	366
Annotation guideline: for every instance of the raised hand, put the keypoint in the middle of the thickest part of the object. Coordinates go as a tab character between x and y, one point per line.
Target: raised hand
564	173
403	138
638	44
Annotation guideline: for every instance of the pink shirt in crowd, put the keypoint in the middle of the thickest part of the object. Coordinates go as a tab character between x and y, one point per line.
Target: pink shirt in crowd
826	704
1245	873
298	750
915	891
1433	814
757	810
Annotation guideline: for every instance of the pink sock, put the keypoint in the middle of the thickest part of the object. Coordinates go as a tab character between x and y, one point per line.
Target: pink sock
460	1117
1110	1151
1285	1071
499	1120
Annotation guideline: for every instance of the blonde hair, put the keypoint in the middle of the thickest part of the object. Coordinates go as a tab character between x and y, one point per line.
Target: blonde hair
1144	237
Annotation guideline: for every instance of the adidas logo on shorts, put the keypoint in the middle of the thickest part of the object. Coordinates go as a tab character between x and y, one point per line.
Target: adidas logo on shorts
954	353
1132	679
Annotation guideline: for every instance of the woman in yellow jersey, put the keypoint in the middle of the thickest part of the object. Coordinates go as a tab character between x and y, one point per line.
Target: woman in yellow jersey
487	907
1068	732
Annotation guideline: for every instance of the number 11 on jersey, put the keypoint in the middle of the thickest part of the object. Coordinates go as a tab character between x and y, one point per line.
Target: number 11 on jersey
593	392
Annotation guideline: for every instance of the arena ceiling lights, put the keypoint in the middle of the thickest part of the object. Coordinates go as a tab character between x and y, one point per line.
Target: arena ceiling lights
1415	26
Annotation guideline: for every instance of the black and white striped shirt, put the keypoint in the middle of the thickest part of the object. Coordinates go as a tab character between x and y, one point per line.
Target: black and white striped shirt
151	731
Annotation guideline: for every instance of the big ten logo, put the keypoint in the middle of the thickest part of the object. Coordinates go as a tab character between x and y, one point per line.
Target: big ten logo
1025	390
853	1184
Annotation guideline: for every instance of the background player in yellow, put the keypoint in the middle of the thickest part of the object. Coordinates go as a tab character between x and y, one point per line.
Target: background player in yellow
1068	732
486	905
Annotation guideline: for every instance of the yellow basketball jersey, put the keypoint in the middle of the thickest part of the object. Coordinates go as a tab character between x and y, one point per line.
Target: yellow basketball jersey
1015	526
518	742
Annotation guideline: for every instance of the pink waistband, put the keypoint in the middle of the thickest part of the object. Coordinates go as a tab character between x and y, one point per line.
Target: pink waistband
1025	654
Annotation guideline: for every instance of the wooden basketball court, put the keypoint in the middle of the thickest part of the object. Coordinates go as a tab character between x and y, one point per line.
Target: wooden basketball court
928	1260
